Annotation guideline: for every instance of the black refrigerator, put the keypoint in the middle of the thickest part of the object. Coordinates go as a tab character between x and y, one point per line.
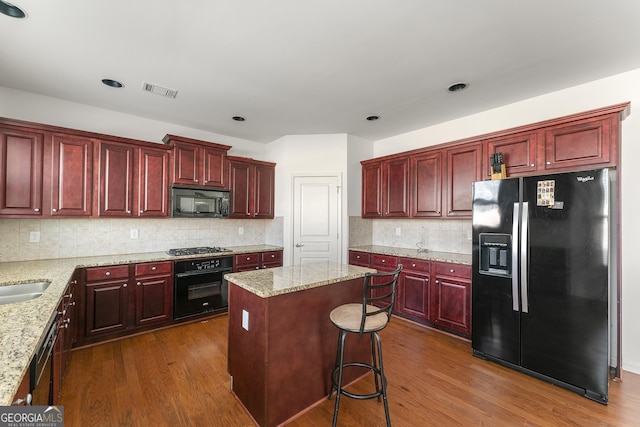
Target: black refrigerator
544	251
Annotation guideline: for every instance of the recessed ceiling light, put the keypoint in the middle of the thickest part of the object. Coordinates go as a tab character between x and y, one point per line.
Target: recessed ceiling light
456	87
238	118
112	83
373	118
8	9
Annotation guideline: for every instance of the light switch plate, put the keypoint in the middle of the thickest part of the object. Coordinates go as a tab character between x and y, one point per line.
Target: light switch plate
34	237
245	320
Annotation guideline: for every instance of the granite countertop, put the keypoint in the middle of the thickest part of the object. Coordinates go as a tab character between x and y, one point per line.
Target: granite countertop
281	280
413	253
23	324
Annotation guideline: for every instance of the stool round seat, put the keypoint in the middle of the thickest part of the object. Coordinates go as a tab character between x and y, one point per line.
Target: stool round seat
349	318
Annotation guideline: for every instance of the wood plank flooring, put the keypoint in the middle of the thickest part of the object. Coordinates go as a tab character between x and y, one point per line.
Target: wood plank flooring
178	377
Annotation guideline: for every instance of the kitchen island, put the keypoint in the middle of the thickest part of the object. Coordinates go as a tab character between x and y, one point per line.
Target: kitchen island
282	345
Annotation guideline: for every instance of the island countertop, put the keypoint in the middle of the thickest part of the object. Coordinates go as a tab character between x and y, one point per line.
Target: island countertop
282	280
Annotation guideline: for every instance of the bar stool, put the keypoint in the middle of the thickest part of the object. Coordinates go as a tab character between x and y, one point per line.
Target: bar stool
368	317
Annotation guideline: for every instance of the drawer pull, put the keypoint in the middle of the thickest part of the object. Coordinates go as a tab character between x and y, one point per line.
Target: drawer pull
154	268
108	273
452	271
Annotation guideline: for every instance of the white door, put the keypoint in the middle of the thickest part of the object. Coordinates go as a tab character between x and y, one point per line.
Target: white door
316	219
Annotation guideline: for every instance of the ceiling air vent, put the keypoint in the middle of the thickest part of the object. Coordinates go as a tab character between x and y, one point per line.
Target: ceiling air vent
159	90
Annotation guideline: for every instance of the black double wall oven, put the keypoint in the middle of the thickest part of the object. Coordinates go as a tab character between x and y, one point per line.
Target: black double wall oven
200	287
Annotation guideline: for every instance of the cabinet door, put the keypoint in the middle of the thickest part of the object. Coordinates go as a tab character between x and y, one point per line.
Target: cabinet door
264	181
106	307
71	182
271	259
463	167
215	173
583	143
115	176
396	188
241	197
154	296
21	154
153	183
518	152
186	164
372	190
426	179
451	297
413	294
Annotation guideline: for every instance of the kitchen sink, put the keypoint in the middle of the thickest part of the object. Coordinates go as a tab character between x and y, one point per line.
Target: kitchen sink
22	291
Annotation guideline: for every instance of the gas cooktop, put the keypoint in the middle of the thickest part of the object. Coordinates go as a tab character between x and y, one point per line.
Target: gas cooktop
197	251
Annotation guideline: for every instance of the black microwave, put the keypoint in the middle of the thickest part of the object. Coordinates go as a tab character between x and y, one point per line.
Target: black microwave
199	203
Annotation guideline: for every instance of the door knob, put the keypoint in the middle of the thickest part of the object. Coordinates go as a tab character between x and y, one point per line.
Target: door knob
299	245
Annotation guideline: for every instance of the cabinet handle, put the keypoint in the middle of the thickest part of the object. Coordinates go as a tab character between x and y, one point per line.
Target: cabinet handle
384	260
196	180
124	285
27	400
533	165
55	210
257	267
413	265
548	163
128	212
72	304
108	273
437	281
452	271
139	283
154	268
36	210
141	211
205	181
248	258
68	296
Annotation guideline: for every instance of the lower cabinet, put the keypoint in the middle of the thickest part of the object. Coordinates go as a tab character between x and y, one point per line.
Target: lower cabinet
429	292
120	299
451	302
257	261
66	337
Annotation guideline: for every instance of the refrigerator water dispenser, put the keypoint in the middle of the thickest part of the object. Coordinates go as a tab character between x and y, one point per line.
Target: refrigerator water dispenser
495	254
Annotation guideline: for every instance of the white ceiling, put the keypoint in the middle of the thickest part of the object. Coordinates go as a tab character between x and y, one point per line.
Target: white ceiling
313	67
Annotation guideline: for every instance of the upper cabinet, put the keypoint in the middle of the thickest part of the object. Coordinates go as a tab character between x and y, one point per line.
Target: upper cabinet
71	176
442	176
198	163
385	188
133	180
21	160
252	184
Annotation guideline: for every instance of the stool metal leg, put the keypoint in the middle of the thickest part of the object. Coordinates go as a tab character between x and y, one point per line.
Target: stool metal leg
383	380
375	365
343	336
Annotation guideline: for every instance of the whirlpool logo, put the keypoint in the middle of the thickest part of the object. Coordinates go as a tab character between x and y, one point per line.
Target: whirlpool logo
585	178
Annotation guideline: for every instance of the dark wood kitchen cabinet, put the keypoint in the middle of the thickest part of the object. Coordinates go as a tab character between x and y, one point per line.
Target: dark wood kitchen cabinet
133	180
106	300
363	259
257	260
252	185
426	185
198	163
463	166
21	163
72	176
386	188
451	296
154	292
413	297
519	153
122	299
67	322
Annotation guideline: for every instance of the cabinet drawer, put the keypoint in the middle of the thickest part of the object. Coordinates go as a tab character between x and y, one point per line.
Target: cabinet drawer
272	257
383	261
111	272
247	259
153	268
412	264
455	270
359	258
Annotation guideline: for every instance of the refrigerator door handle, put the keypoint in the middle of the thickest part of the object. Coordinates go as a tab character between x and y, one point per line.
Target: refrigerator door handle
524	248
514	258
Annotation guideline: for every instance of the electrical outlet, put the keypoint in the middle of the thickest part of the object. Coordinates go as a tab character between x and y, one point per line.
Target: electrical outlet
245	320
398	231
240	231
34	237
134	233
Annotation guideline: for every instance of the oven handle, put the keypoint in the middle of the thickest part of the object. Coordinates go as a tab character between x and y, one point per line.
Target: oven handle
203	272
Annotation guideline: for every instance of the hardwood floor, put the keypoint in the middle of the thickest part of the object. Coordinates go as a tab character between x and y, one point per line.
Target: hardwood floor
178	377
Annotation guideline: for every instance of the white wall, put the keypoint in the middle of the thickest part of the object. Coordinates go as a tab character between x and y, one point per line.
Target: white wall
613	90
15	104
306	154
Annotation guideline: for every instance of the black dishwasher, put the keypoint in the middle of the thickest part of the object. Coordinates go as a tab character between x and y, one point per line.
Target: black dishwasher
42	368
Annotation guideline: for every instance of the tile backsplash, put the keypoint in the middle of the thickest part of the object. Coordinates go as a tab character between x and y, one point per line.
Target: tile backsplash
435	235
62	238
